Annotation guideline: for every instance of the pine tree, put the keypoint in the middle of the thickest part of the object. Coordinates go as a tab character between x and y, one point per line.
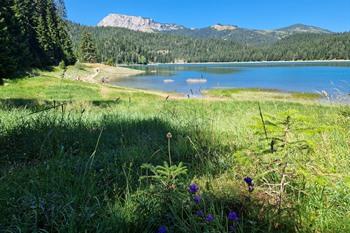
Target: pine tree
64	40
25	12
32	34
87	49
7	62
61	8
13	49
52	20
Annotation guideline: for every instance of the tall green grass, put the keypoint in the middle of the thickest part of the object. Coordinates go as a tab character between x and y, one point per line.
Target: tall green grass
79	165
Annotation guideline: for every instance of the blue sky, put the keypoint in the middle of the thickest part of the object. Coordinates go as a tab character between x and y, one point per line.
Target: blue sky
259	14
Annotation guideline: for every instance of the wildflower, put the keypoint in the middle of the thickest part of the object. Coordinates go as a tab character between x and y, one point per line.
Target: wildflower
197	199
169	135
193	188
248	180
162	229
250	184
200	213
232	216
209	218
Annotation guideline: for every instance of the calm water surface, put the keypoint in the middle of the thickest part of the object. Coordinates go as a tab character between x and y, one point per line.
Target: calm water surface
294	76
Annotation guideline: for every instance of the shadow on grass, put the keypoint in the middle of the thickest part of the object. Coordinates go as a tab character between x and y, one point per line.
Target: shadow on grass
45	135
52	180
24	103
42	105
20	74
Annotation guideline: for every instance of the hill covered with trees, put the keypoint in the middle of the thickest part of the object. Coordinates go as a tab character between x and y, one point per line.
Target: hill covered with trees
117	45
123	46
33	34
310	47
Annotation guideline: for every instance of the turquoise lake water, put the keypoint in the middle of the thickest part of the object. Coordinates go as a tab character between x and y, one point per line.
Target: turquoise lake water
333	78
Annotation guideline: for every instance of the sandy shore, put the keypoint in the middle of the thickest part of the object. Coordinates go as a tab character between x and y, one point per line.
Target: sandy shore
112	72
99	73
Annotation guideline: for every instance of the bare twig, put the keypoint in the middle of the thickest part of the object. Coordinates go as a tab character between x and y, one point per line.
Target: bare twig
263	121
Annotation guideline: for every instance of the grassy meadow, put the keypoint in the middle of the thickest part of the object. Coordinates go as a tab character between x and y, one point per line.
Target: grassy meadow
86	157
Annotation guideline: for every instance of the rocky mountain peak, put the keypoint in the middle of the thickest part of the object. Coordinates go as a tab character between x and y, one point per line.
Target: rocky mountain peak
136	23
221	27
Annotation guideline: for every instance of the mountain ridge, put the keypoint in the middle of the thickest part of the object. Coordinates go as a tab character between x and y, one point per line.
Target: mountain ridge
216	31
111	20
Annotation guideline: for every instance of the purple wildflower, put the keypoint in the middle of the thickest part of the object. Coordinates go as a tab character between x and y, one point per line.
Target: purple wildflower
232	216
162	229
209	218
248	180
250	184
200	213
193	188
197	199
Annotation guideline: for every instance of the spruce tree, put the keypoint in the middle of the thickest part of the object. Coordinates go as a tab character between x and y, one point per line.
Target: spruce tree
64	40
87	49
26	16
32	34
13	49
7	61
61	8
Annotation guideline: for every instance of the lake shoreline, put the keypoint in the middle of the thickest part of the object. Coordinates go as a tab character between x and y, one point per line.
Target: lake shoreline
245	62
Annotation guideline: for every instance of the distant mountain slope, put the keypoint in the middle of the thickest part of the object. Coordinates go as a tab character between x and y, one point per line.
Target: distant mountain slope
302	28
218	31
240	35
249	36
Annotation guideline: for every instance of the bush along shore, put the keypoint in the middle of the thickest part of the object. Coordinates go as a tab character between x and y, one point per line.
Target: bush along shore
83	157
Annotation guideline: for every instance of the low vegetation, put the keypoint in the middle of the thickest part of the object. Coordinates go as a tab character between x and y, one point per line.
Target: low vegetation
85	157
266	94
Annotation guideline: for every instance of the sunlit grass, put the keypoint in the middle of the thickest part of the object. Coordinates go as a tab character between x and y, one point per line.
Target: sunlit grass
265	94
52	180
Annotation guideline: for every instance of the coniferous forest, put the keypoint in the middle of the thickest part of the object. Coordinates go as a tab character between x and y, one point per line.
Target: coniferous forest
33	34
117	45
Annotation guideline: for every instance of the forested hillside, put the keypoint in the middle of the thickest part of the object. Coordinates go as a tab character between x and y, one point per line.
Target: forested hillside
311	47
117	45
251	37
33	34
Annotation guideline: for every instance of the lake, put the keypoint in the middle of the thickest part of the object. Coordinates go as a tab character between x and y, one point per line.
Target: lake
332	77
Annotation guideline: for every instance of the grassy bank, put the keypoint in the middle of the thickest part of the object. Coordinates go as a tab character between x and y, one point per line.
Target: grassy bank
82	157
265	94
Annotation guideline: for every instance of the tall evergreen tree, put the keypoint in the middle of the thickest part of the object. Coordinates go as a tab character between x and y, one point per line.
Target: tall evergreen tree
13	49
64	39
32	34
7	61
26	16
87	49
61	8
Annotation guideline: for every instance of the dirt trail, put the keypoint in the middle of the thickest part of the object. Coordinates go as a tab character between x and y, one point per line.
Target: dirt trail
91	78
